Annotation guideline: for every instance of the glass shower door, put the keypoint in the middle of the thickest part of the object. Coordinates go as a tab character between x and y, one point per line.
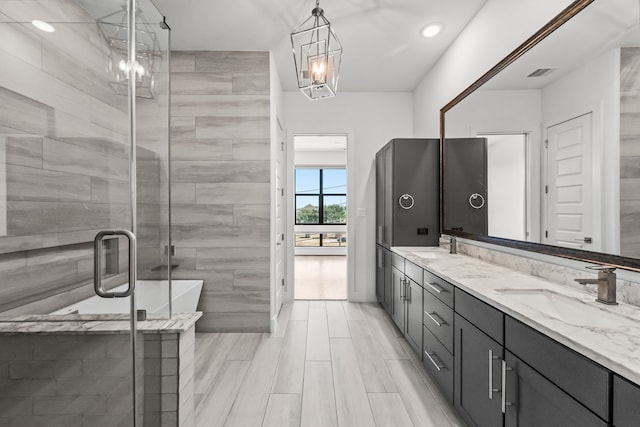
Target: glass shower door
70	169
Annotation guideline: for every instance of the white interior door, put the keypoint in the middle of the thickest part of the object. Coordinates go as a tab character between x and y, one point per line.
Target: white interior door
280	255
569	207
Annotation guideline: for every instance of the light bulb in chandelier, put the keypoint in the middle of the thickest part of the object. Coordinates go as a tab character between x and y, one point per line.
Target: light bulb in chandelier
318	72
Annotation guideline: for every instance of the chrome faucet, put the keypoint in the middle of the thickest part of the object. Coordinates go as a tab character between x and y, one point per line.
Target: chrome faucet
606	282
453	245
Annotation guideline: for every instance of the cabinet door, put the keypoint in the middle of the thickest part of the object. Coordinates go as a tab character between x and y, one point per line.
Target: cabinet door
413	305
477	375
535	401
626	403
397	311
465	177
380	176
388	196
380	274
388	281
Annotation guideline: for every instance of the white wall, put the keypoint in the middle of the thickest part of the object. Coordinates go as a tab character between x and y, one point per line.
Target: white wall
498	28
595	88
369	120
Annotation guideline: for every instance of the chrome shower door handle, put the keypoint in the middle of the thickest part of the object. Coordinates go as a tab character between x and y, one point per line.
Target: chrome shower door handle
97	263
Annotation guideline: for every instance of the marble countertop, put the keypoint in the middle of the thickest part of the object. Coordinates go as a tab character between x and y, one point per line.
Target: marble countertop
609	335
93	324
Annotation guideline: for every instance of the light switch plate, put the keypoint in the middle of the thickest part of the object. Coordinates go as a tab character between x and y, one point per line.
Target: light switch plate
362	212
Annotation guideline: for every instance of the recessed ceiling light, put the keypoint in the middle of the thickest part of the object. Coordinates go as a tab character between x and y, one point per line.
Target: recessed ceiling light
431	30
43	26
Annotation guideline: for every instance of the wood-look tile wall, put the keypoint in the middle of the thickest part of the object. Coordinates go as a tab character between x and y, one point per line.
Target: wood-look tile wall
220	183
64	168
630	152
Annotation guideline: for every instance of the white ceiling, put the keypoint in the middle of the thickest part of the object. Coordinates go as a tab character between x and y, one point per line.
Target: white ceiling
599	28
383	49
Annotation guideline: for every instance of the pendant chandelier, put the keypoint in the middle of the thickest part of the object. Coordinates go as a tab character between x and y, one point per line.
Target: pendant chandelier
317	54
148	53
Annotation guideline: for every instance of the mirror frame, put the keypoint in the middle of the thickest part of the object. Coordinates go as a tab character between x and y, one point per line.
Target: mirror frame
626	263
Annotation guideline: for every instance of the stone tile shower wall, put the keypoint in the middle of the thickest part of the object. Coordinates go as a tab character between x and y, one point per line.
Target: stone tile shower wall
64	160
62	154
220	183
629	152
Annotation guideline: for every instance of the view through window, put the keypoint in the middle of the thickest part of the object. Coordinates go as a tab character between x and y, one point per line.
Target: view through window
321	199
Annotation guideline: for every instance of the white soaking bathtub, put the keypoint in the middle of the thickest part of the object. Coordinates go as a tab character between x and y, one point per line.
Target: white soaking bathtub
151	295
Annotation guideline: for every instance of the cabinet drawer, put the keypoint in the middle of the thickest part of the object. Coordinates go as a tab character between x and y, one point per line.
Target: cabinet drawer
580	377
626	399
438	362
413	271
438	318
397	261
481	315
439	287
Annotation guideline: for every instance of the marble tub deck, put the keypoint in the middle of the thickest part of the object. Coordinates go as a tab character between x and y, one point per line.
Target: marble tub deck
93	324
614	346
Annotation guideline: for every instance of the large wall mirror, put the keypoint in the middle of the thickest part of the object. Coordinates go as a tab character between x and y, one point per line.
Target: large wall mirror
543	152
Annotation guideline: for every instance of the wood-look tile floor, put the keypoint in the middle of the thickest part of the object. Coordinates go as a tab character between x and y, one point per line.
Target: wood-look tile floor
320	277
329	363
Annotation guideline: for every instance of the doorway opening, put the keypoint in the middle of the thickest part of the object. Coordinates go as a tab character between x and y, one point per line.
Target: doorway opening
507	172
320	217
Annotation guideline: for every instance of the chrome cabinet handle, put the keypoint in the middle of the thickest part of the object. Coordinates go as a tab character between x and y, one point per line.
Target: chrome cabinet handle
491	389
436	288
408	288
505	369
97	263
475	196
434	359
404	198
433	316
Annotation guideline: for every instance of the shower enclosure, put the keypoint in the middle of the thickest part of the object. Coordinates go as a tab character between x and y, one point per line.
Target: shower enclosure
84	152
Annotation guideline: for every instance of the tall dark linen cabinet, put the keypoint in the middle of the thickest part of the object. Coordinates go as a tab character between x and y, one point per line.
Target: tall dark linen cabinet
407	204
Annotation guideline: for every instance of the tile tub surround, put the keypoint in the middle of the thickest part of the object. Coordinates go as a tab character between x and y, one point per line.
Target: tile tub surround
220	115
77	373
614	347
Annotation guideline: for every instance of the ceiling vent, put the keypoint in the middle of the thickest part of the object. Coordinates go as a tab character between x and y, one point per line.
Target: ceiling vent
541	72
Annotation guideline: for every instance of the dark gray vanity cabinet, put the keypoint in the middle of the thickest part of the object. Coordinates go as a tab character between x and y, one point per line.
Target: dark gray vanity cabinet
477	367
626	403
406	300
437	341
413	307
408	193
465	202
397	295
383	277
531	400
586	382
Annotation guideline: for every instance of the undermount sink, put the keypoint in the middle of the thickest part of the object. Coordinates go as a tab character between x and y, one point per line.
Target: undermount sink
568	309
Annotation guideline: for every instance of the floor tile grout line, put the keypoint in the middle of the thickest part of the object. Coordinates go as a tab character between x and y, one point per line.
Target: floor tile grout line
273	379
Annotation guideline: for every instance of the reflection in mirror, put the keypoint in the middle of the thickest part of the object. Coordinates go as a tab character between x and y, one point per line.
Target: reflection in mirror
563	141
